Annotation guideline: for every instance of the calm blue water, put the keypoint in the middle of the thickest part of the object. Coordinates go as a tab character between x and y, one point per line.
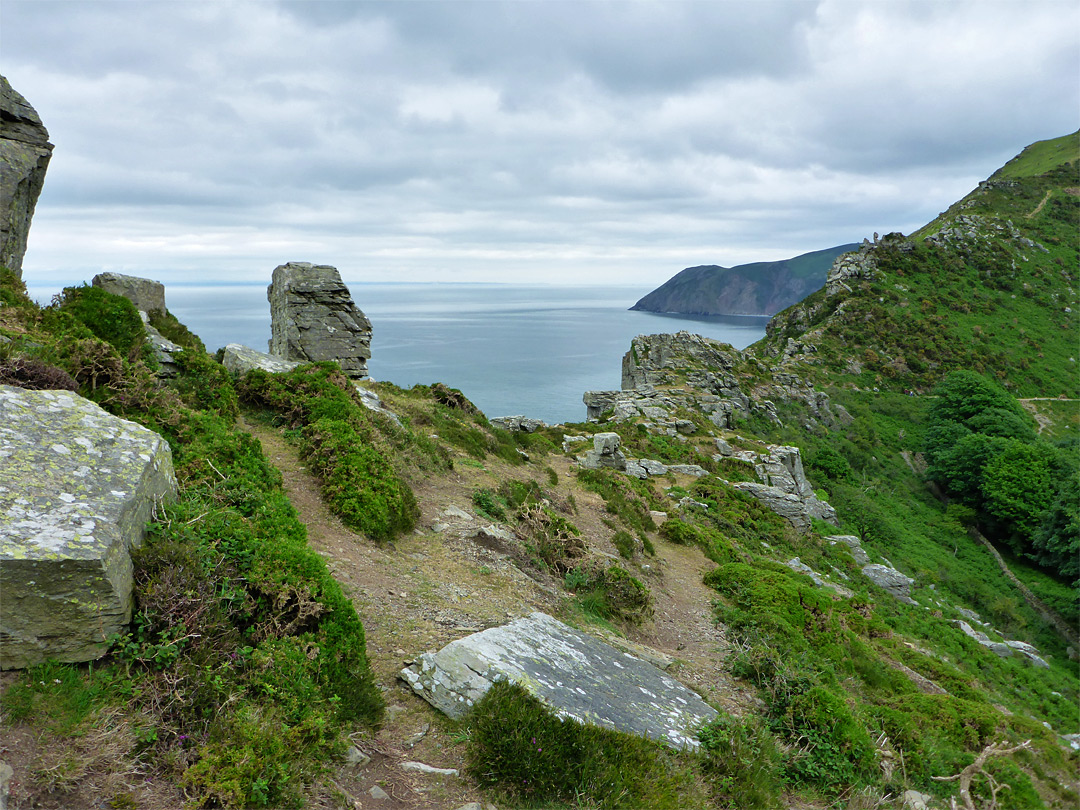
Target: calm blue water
512	349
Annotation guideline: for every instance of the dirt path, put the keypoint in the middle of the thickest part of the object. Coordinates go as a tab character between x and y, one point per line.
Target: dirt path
434	586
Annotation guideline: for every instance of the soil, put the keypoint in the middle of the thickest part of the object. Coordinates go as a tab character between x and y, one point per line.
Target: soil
441	583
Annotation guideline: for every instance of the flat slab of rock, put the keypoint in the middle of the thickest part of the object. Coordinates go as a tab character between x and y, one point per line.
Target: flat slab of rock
574	674
77	487
239	359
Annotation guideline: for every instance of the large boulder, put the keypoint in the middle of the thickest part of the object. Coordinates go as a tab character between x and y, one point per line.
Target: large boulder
24	156
605	453
77	487
239	359
147	295
313	318
575	675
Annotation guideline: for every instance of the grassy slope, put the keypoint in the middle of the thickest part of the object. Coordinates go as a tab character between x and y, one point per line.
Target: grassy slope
996	304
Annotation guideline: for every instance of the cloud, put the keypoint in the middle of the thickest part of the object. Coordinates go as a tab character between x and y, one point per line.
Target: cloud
508	141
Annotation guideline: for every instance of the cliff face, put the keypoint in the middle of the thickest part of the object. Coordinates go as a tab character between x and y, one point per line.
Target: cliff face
24	156
761	288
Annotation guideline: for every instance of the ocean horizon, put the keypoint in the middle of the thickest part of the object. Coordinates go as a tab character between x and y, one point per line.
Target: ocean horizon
529	349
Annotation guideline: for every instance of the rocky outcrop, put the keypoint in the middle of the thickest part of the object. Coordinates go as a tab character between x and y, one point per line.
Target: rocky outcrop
518	424
147	295
891	581
313	318
24	157
795	510
760	288
860	264
605	453
575	675
858	553
239	360
783	487
1004	648
77	487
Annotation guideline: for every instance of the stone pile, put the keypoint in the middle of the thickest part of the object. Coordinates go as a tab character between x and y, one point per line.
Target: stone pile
313	318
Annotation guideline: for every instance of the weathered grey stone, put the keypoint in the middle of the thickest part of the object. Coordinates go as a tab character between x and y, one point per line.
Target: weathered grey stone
859	264
378	794
890	580
653	467
605	453
636	470
724	448
795	510
688	469
914	800
797	565
6	775
852	542
575	675
147	295
1004	649
431	770
165	352
313	318
239	360
24	157
518	424
370	400
77	486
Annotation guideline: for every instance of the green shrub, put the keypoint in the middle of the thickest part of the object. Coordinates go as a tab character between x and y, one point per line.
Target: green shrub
741	763
610	593
624	543
489	504
110	317
529	756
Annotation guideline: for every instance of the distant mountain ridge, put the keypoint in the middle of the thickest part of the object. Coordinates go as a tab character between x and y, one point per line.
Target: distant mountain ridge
759	288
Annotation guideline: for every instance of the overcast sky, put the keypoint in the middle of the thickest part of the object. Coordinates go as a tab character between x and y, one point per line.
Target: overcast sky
516	141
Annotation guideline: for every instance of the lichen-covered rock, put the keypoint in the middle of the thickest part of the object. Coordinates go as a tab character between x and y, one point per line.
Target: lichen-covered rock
146	294
859	264
854	545
605	453
165	352
575	675
77	487
313	318
890	580
518	424
24	157
239	359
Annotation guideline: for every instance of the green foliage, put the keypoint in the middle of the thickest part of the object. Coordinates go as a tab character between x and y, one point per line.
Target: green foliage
624	544
610	593
629	499
981	449
489	504
742	763
110	317
347	447
171	329
533	758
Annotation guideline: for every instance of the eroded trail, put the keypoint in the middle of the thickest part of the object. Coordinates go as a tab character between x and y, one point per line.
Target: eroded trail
443	582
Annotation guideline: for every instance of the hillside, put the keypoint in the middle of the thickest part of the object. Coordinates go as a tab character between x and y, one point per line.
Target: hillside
760	288
850	574
990	285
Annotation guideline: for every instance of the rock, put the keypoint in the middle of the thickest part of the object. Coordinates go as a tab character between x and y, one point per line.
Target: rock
518	424
421	767
77	487
860	264
636	470
354	756
914	800
147	295
891	580
313	318
370	400
494	532
575	675
378	794
724	448
24	157
455	512
165	352
853	543
653	467
1072	740
6	775
795	510
1004	649
688	469
239	360
797	565
605	453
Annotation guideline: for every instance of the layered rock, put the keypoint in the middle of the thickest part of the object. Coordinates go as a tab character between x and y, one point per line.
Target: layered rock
575	675
859	264
313	318
782	486
77	487
24	157
239	359
147	295
605	453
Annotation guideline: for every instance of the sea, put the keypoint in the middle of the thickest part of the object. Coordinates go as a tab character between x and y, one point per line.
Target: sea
528	349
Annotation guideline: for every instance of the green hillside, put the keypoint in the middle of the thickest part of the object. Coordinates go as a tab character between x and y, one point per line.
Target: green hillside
759	288
990	285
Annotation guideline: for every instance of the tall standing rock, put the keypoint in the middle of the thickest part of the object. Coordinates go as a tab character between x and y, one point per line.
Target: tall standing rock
313	318
24	156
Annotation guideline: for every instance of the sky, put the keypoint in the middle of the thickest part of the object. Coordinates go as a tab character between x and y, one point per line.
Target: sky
557	142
